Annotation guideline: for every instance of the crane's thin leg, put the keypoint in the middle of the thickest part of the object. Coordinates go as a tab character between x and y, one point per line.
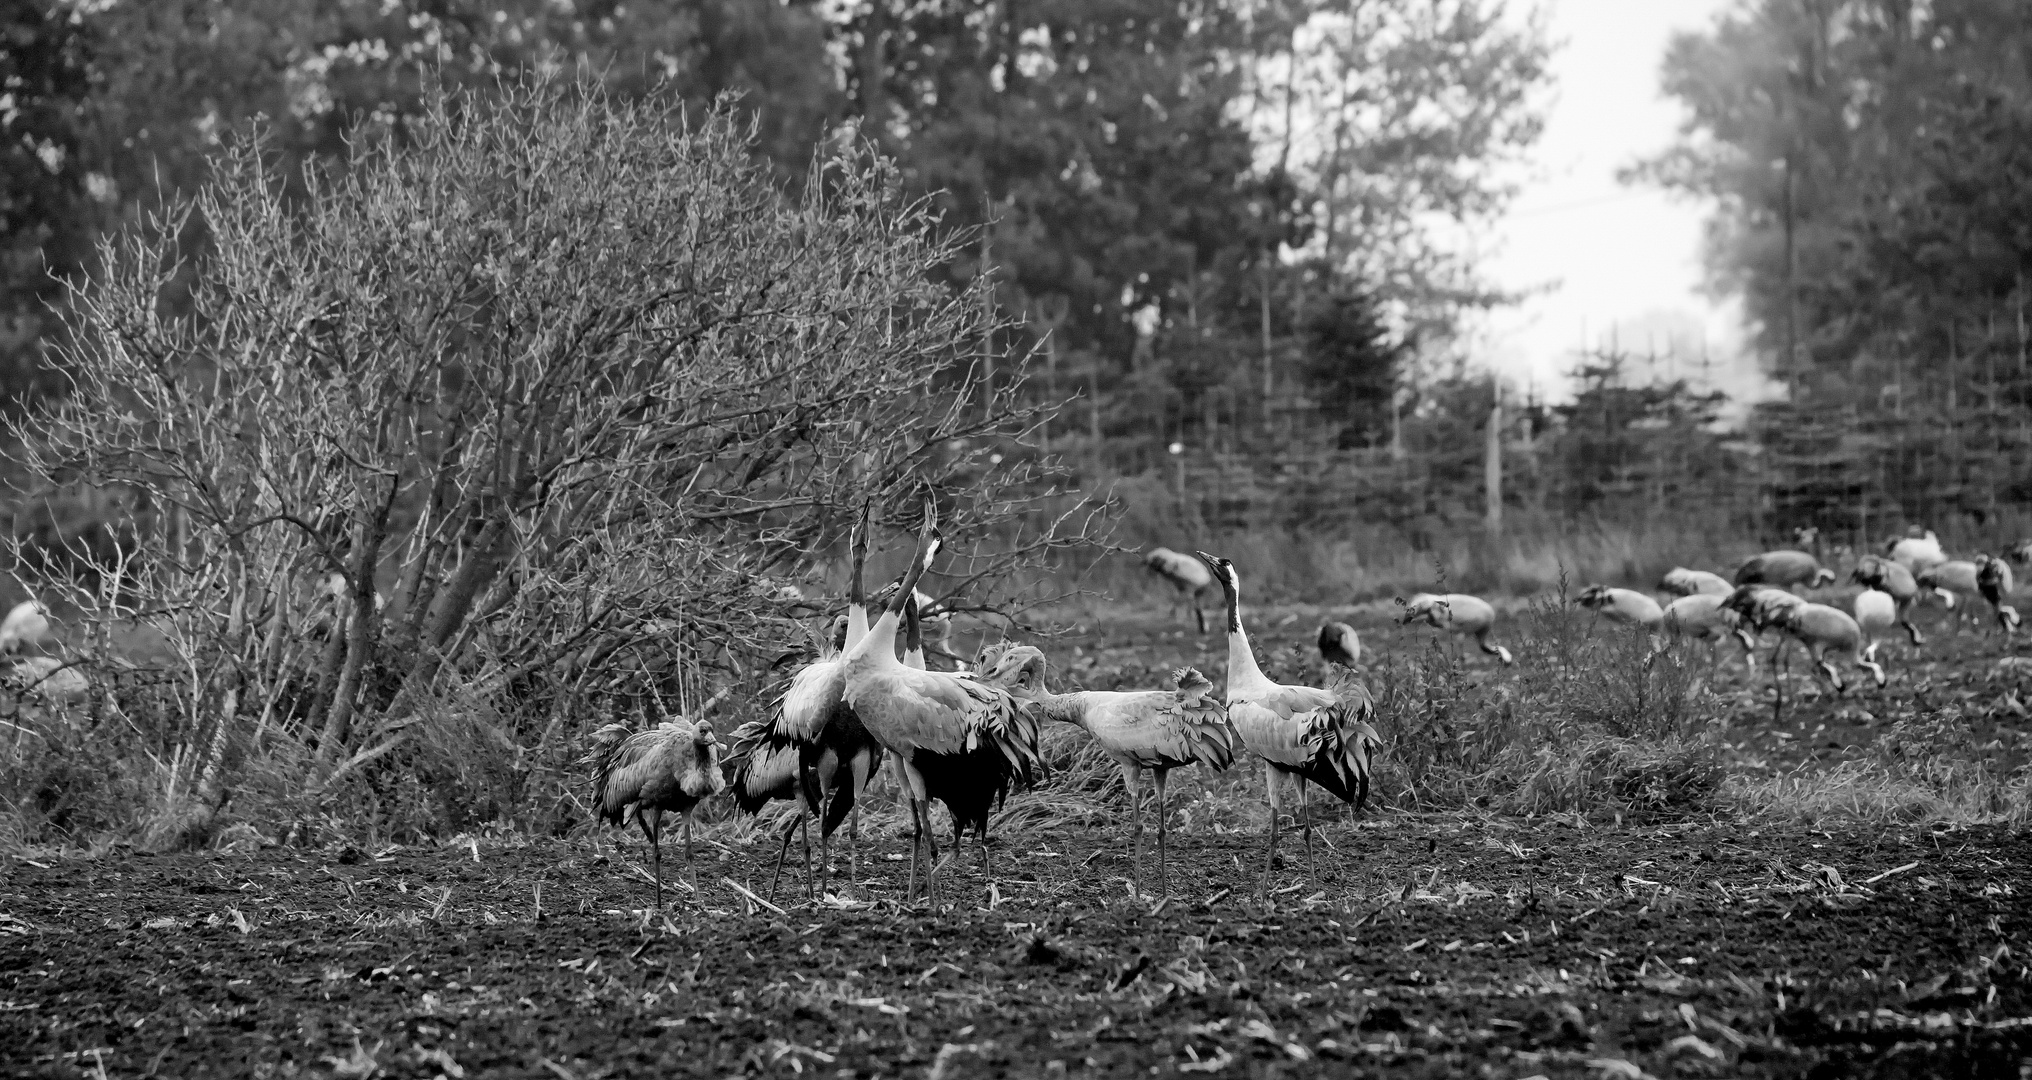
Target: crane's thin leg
1163	872
1305	812
804	827
1778	681
688	871
916	846
930	867
782	851
1270	855
854	830
1129	781
825	847
1198	615
656	849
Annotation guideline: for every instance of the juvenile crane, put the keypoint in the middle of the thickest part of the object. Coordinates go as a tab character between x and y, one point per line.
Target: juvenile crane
671	767
959	741
1626	606
1321	736
1888	576
1339	645
1455	613
1784	570
1185	573
1994	581
1679	581
1158	730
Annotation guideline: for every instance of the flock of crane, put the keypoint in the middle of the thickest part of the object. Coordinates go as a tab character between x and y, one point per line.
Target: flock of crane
967	738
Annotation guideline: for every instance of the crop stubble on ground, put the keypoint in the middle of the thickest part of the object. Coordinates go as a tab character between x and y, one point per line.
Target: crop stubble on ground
1438	945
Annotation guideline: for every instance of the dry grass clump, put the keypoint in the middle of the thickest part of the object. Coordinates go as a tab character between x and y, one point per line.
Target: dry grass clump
1920	771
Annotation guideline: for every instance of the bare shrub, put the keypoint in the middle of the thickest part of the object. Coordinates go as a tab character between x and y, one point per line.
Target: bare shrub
516	421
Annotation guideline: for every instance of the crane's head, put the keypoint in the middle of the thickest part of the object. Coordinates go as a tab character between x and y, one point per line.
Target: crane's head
1433	609
1822	578
1018	669
1223	571
1594	596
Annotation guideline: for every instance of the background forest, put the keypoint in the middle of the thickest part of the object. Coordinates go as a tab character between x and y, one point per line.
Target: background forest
1229	226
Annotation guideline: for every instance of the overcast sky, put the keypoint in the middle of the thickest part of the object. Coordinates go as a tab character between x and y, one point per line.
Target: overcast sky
1611	259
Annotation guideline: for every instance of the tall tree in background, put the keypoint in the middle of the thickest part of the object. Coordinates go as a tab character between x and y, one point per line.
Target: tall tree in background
1870	163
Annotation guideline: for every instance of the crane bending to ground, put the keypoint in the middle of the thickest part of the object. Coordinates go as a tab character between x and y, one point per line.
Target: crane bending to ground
1321	736
1188	576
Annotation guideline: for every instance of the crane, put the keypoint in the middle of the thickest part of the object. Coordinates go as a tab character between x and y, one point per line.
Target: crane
956	740
1339	645
1158	730
1784	569
1456	613
671	767
1876	613
1626	606
814	743
1703	615
1917	550
1994	581
26	626
1183	572
1322	736
1683	582
1890	576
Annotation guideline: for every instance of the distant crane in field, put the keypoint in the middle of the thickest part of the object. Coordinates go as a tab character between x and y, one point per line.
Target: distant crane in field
1159	730
671	767
1706	616
814	744
1889	576
2021	552
1319	736
1822	628
1915	551
1948	580
1994	581
1876	613
1455	613
1184	572
1626	606
1680	581
26	626
1784	570
1339	645
957	740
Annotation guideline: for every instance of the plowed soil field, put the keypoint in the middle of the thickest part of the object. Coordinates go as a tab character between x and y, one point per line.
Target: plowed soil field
1435	945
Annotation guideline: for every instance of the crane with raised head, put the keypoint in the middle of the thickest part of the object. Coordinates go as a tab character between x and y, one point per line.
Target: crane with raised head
1314	736
1455	613
1185	574
814	744
1158	730
958	741
669	768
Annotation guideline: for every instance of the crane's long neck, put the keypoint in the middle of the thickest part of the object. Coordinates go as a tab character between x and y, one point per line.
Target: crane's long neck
1242	669
1065	708
857	601
913	635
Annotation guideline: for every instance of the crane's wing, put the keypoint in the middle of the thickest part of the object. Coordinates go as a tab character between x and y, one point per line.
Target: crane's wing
1201	721
934	711
632	768
1329	744
765	765
807	706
